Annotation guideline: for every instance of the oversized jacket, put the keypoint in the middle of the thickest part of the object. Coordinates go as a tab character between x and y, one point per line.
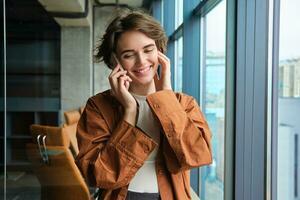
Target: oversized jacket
111	150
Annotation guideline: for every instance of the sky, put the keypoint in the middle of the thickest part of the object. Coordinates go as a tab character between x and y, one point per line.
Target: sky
289	45
289	42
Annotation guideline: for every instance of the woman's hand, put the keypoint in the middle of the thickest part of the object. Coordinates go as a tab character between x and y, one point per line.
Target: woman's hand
164	81
120	83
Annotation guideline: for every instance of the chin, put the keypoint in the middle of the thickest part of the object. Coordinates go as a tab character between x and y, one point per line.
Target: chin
144	81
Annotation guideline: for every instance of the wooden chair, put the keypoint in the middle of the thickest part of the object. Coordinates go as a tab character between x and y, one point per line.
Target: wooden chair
72	116
71	119
54	166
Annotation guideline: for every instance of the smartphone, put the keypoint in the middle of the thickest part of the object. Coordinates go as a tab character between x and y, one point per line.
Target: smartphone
115	61
159	70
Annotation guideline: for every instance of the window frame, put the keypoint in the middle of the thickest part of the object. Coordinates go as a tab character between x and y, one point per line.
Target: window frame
190	31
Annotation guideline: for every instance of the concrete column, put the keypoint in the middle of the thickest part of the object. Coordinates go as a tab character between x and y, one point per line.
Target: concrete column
102	16
76	67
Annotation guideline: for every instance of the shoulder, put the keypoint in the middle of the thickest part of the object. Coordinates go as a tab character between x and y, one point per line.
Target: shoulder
102	101
183	98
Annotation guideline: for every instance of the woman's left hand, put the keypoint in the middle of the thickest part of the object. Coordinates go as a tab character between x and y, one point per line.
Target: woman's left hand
164	81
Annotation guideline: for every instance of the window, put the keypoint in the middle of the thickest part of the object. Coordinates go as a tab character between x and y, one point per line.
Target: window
178	65
178	12
288	101
213	32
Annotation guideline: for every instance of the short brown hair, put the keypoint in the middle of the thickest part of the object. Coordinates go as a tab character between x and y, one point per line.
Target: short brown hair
128	20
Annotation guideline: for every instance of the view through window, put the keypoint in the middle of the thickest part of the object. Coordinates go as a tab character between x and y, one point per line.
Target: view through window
213	97
289	101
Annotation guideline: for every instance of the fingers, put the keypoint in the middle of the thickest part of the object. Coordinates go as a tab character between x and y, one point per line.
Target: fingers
165	64
113	77
127	84
163	57
163	60
121	74
124	81
115	70
119	81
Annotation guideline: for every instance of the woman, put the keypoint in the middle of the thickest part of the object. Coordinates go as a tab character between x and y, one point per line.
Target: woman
139	139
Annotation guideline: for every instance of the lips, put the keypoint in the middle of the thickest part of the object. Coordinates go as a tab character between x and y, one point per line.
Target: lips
142	71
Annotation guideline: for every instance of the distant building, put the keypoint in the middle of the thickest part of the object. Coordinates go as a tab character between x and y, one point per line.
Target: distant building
289	78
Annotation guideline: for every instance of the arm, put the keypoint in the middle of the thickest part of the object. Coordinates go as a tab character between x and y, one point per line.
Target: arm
187	135
109	159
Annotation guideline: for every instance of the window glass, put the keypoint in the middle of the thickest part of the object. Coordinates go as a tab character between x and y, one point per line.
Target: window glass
213	47
178	13
48	73
289	101
33	83
178	64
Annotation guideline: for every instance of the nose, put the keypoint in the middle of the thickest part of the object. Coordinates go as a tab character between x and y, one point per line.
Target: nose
141	59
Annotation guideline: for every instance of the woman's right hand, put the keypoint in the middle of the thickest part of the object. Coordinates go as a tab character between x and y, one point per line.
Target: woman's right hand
120	83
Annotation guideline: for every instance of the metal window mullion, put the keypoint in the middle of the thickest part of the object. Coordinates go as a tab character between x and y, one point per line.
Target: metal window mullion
204	7
239	164
177	33
202	91
157	10
169	25
260	101
191	65
203	61
5	109
274	108
230	94
251	99
191	49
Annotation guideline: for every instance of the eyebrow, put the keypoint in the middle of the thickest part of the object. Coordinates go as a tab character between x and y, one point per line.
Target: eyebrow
131	50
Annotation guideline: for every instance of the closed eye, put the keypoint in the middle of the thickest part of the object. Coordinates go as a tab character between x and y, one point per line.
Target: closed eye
149	50
128	56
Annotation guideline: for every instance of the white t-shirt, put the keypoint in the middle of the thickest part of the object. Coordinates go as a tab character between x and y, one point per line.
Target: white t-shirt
145	180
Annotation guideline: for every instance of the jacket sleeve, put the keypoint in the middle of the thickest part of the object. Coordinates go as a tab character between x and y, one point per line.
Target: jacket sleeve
109	159
187	135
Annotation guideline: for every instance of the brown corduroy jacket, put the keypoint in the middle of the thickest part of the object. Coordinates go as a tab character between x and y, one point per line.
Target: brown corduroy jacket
111	150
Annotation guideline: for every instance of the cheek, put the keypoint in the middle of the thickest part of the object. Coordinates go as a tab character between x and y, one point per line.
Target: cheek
127	65
154	57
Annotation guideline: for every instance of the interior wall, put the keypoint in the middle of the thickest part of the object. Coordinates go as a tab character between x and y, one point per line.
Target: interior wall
102	16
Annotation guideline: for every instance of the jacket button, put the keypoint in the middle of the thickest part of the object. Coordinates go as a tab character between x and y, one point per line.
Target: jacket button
123	144
169	135
156	106
146	149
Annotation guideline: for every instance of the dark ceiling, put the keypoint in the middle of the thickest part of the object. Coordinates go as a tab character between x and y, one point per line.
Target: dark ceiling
27	19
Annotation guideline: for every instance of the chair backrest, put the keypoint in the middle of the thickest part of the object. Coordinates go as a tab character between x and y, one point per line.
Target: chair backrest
72	118
53	164
71	132
81	109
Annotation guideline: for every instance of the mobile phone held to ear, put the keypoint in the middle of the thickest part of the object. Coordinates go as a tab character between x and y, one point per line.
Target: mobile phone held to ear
115	61
159	70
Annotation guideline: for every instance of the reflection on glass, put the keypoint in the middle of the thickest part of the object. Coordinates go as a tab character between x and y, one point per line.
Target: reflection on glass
46	67
213	96
289	101
33	85
178	12
178	64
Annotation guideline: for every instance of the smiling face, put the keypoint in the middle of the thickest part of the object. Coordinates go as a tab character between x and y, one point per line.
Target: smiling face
137	54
